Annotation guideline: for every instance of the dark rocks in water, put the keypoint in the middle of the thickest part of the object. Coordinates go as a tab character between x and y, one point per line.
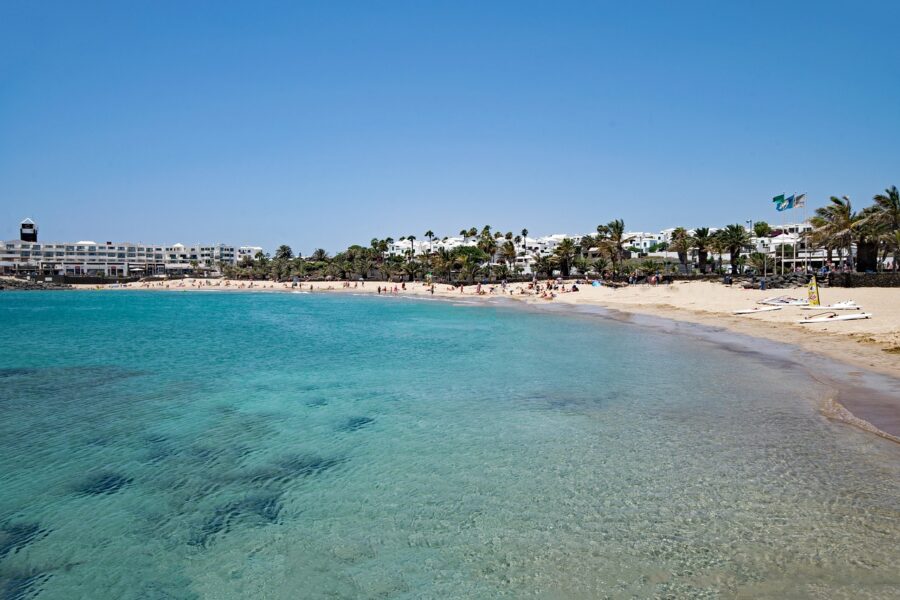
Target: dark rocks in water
103	483
15	536
354	423
306	465
295	467
98	374
18	371
22	586
259	510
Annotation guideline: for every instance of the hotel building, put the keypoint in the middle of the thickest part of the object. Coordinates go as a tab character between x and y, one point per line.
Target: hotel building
122	259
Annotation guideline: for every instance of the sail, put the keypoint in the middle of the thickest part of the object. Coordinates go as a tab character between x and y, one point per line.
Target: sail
813	292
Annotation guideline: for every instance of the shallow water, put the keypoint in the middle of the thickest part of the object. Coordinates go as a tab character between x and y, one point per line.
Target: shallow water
190	445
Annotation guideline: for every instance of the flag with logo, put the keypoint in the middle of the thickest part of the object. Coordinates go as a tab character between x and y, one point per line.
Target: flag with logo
800	201
783	202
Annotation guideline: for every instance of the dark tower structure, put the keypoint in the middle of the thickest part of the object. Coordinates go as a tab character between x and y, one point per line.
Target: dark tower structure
28	231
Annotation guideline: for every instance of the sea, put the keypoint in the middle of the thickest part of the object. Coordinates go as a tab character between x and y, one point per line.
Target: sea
219	445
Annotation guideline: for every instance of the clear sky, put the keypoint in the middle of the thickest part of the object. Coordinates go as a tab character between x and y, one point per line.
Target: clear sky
331	123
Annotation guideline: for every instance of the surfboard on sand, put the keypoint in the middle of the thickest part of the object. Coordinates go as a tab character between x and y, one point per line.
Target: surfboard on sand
846	305
828	318
750	311
784	301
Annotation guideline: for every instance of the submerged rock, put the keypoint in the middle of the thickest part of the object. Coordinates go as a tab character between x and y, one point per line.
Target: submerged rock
258	509
15	536
103	483
354	423
19	586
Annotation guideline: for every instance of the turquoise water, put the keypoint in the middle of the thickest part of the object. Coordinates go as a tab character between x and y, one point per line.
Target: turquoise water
229	445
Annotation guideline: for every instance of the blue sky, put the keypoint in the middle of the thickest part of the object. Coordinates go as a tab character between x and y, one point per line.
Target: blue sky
330	123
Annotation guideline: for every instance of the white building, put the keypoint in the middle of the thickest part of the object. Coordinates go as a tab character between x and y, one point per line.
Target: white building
246	252
643	240
121	259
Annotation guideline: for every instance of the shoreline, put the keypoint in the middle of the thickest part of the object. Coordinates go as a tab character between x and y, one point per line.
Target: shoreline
861	398
852	348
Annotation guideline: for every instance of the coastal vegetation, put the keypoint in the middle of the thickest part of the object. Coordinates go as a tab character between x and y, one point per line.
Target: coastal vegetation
862	240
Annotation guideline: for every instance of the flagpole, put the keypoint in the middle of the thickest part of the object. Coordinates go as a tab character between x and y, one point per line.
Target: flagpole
805	240
794	260
782	227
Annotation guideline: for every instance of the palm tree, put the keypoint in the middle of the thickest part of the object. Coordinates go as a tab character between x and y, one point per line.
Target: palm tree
284	252
564	253
430	235
524	239
410	268
468	266
319	255
869	234
895	243
649	266
885	216
761	262
464	233
508	253
681	243
488	245
702	243
412	246
390	267
613	234
717	246
734	239
443	262
543	264
833	226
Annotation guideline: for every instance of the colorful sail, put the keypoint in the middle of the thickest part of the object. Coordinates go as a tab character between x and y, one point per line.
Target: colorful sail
813	292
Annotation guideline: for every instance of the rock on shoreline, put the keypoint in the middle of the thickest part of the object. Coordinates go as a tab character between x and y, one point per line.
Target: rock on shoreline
11	283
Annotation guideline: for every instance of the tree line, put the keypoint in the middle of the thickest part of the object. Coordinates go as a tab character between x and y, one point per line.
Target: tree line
874	234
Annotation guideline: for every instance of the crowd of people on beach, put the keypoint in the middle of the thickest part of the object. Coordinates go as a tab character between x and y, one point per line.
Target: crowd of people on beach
544	290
